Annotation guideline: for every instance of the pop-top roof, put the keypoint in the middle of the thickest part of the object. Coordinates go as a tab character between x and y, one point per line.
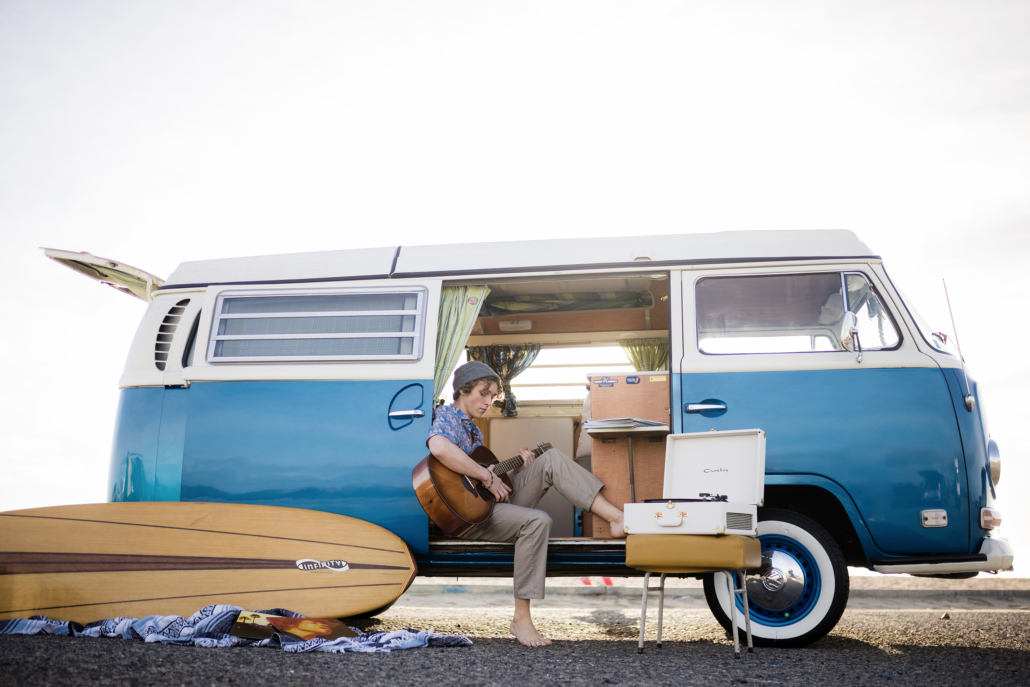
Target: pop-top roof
522	256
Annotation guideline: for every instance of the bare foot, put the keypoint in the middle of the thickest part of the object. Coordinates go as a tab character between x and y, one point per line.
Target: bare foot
618	529
526	633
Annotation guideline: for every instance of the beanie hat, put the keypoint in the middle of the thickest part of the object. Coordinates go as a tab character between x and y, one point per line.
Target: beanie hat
473	370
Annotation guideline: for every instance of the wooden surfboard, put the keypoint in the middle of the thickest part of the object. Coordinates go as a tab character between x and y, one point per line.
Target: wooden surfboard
89	562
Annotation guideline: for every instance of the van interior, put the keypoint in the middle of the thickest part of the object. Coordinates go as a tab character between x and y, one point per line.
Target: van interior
583	326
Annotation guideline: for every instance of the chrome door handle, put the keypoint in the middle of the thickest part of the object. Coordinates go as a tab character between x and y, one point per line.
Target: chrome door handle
699	407
408	413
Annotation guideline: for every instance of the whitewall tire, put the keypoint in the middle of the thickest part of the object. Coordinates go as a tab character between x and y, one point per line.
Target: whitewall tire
800	592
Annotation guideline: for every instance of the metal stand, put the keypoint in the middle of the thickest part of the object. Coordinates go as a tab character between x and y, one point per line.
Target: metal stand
731	585
632	485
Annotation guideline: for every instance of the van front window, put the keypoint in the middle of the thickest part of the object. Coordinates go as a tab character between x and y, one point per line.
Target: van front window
787	313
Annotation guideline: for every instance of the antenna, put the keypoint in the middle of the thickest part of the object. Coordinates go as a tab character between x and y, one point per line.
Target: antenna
968	400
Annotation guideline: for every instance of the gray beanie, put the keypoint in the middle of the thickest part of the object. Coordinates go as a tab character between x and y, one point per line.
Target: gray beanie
473	370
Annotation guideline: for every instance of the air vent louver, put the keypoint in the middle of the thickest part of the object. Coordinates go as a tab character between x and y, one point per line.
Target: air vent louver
166	332
738	521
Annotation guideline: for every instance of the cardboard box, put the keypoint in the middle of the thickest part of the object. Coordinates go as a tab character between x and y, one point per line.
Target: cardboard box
610	464
643	395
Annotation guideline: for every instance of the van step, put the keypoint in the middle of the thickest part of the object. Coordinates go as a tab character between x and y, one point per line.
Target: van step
554	545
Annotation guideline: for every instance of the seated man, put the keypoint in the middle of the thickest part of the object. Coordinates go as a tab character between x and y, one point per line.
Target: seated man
454	436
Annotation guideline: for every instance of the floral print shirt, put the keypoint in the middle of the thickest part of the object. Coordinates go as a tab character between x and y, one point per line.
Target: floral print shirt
451	422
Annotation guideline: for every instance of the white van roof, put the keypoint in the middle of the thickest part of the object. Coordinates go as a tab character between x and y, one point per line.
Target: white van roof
522	256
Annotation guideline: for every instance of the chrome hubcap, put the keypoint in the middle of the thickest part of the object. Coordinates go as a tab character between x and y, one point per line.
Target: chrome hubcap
779	583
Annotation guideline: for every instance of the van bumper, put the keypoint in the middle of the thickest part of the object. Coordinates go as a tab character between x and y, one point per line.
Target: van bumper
995	554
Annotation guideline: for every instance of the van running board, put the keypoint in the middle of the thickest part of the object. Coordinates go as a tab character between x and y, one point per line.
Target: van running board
582	545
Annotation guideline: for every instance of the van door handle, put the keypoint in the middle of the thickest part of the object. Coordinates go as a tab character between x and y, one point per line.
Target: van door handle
700	407
408	413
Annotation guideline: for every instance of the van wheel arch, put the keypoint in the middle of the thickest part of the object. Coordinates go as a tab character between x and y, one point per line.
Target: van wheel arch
823	507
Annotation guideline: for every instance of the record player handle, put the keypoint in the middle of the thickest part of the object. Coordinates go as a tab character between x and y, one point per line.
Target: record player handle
699	407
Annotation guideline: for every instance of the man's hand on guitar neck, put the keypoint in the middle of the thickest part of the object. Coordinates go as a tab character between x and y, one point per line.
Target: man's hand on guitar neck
527	458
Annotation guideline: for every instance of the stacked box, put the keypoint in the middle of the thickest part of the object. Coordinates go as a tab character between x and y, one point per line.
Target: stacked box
643	395
611	466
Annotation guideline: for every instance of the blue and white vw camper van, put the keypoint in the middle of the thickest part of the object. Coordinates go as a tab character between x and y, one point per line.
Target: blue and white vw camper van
309	381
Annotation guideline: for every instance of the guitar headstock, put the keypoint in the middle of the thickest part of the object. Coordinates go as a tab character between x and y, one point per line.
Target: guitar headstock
542	448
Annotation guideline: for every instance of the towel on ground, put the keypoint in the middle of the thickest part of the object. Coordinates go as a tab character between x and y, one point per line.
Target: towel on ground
210	627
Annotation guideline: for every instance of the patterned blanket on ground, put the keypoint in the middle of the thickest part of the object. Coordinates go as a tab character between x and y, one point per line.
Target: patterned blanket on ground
210	627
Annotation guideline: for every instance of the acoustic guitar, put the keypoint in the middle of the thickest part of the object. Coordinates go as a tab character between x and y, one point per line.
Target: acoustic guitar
455	502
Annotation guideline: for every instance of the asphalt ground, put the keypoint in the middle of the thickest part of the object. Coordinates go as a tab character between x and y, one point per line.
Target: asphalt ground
888	639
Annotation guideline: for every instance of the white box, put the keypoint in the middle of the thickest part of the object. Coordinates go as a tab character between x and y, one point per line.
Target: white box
684	517
730	463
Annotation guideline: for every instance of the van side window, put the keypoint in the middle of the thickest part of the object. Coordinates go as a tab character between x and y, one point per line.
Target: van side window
330	325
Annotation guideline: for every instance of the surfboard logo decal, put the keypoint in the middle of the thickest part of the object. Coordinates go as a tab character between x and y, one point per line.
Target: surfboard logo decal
312	564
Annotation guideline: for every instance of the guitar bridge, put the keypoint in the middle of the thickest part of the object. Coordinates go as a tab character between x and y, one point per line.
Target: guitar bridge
467	483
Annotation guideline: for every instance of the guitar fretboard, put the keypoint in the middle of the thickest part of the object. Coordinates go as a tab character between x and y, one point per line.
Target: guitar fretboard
517	461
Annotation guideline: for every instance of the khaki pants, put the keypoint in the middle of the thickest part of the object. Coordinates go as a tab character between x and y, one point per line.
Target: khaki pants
520	522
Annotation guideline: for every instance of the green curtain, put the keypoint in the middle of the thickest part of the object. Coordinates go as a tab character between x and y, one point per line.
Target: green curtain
459	306
647	354
508	362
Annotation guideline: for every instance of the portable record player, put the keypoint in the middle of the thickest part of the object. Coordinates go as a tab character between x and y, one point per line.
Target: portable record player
714	483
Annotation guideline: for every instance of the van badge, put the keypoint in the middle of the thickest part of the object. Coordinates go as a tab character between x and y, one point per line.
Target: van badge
606	381
312	564
633	380
707	470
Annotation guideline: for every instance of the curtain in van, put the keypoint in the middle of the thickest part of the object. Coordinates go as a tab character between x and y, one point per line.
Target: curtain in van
459	307
508	362
647	354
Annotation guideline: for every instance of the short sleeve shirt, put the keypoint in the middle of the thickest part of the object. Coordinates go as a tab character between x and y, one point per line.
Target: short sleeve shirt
451	422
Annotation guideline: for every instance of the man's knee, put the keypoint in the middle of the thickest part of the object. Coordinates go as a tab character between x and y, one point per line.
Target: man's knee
554	456
537	521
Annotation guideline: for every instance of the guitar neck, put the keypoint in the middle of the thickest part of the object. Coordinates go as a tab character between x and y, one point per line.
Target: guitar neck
516	461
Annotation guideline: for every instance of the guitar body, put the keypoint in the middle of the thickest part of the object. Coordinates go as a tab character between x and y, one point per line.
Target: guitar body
455	502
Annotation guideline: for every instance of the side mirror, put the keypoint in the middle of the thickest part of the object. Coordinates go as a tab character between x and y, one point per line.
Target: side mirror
849	334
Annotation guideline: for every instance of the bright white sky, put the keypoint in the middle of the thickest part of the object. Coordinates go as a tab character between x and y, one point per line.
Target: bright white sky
155	133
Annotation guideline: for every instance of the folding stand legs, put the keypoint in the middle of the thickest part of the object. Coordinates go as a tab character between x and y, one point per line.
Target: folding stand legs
731	585
747	610
661	607
643	609
643	612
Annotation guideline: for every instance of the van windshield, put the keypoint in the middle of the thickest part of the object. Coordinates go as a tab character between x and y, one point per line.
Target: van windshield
936	339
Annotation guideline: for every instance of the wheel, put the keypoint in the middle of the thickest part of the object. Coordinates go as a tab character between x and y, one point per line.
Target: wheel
799	593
